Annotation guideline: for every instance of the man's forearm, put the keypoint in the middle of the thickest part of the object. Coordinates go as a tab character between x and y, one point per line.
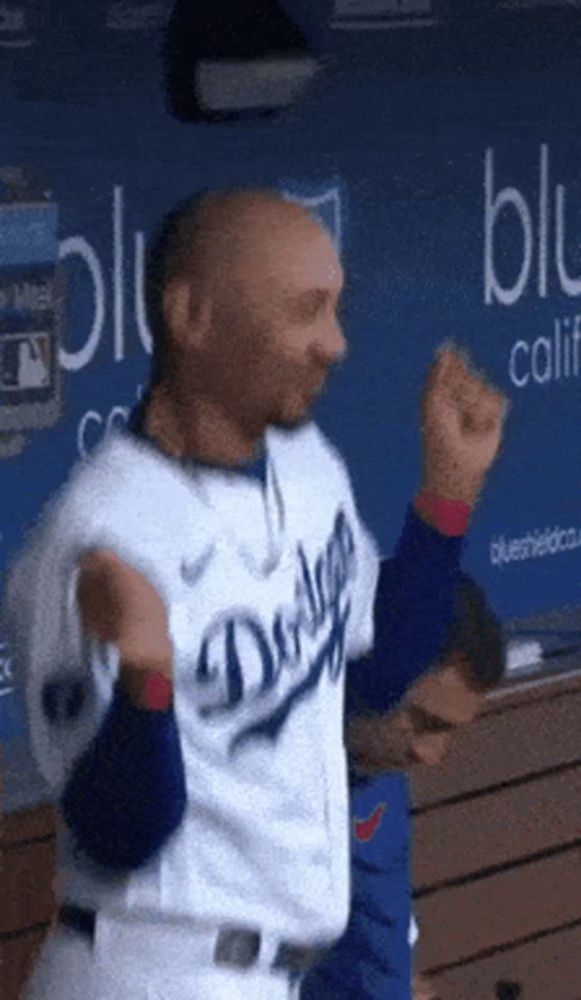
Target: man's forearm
126	794
413	611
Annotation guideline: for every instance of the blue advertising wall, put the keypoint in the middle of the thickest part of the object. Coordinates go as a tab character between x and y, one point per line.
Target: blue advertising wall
456	201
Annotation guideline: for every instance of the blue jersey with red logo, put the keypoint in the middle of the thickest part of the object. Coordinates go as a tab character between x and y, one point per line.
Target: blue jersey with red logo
373	958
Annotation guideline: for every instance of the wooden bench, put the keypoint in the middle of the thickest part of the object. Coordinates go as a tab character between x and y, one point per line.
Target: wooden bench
497	860
27	867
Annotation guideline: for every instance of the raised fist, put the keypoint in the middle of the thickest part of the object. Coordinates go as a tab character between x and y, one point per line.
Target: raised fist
462	418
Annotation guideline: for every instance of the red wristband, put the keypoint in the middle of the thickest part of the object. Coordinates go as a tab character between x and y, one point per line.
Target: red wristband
156	693
450	517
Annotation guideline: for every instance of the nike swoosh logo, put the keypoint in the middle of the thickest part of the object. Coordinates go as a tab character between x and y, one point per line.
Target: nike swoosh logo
365	829
191	572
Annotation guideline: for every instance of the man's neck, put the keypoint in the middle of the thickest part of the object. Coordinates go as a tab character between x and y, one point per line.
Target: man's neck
199	429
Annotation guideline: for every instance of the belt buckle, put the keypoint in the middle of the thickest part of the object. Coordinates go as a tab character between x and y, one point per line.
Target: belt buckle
237	947
296	957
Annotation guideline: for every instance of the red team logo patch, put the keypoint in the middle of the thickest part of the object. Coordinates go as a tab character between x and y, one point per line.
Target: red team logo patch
365	829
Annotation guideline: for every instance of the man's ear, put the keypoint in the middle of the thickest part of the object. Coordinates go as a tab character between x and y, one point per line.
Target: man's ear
465	693
466	672
187	316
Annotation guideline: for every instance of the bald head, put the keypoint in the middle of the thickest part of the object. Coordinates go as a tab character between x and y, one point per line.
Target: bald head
213	237
247	286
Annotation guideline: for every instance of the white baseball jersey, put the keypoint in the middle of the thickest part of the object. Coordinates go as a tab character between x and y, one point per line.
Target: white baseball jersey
269	591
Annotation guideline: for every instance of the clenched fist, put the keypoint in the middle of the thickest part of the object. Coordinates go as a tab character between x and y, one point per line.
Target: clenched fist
462	418
119	605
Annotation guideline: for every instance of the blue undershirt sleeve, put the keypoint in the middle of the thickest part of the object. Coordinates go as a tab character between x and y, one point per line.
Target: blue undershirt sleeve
126	794
414	605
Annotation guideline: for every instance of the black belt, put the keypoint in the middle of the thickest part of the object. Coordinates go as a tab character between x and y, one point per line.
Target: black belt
236	947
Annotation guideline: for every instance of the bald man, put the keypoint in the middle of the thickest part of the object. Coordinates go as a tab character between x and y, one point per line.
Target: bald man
185	610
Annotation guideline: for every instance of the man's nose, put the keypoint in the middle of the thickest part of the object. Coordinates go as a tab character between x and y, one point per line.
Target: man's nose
331	345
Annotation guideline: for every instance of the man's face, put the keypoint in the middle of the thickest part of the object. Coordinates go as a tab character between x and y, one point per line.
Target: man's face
421	730
437	704
280	326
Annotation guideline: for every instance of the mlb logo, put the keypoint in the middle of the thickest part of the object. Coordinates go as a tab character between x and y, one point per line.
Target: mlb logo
24	362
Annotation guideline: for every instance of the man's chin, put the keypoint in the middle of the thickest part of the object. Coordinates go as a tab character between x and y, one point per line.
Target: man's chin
292	418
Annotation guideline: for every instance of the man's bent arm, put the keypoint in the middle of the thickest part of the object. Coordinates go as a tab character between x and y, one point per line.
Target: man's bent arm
414	605
127	794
